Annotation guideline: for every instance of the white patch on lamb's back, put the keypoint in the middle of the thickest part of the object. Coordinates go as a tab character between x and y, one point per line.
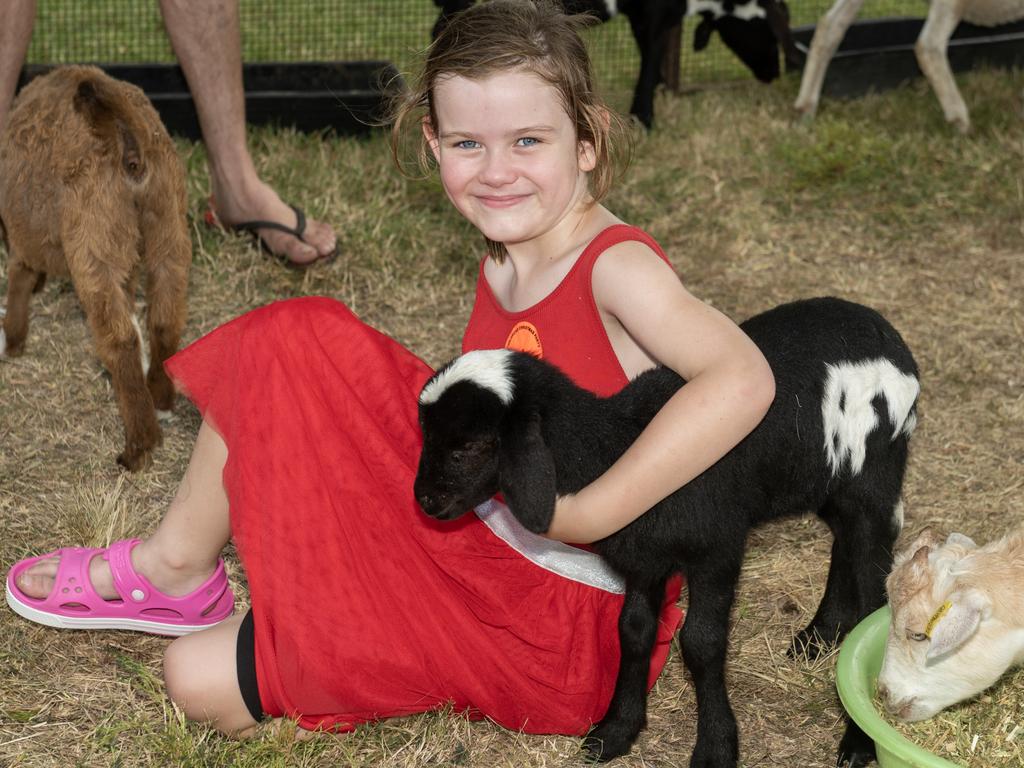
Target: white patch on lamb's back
487	368
848	415
3	341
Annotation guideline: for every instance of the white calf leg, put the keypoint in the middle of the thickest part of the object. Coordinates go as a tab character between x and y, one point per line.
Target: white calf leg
827	36
943	17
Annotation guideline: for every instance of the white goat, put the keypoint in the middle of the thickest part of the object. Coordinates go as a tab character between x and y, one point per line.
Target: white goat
957	621
942	20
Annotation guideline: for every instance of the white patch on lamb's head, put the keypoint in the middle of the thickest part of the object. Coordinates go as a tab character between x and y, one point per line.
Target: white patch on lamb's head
487	368
848	413
612	6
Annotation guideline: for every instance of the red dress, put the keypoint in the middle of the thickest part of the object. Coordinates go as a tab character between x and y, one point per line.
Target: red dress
364	607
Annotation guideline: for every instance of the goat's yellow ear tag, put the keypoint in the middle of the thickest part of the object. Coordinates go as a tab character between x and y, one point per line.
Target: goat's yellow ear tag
936	617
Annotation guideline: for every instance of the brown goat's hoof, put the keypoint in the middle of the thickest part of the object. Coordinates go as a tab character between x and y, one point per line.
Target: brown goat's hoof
137	457
135	461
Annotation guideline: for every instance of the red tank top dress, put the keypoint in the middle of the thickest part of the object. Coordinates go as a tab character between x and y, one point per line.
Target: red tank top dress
363	607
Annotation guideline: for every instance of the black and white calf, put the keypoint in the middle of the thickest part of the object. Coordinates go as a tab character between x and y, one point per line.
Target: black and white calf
752	29
834	442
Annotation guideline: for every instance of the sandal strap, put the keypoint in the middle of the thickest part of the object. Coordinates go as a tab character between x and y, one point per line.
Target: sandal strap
132	587
72	582
297	231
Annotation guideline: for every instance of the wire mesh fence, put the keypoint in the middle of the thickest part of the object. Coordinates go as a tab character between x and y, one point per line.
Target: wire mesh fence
129	31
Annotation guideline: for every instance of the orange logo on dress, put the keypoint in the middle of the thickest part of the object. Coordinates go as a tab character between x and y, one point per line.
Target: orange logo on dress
524	338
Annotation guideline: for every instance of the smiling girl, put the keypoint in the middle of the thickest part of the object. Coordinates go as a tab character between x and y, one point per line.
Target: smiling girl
362	607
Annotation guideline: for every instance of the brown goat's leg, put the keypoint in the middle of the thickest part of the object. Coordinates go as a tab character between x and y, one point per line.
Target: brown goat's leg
167	254
109	310
21	279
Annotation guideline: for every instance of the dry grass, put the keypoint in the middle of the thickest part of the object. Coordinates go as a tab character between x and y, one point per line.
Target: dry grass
877	201
986	731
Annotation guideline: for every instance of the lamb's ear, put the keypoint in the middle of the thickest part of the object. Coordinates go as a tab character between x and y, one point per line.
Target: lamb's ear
526	474
955	622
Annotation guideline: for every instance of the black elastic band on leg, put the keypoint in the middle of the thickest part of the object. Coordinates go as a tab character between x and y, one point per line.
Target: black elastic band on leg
245	659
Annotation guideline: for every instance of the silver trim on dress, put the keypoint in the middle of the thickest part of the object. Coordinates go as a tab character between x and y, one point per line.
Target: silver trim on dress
565	560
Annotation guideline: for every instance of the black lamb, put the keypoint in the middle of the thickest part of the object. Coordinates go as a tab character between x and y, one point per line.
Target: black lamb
834	442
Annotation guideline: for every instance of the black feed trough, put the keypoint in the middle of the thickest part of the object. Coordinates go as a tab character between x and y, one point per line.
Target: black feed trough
878	54
345	96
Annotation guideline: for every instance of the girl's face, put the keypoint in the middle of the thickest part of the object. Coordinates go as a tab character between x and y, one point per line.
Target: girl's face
508	155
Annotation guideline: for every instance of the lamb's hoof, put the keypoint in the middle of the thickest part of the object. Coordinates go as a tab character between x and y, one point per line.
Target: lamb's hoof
809	644
608	741
702	759
856	749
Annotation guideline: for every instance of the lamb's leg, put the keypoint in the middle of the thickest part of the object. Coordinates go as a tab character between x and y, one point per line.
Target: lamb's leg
856	748
711	585
21	280
627	712
167	253
931	45
102	290
865	517
827	36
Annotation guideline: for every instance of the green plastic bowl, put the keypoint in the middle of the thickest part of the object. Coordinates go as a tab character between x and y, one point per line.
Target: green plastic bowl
860	659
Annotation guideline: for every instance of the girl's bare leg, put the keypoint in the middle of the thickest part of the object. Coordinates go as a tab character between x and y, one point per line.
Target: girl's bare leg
182	552
202	678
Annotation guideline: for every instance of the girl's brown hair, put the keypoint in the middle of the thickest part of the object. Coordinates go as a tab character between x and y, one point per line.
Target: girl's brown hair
504	35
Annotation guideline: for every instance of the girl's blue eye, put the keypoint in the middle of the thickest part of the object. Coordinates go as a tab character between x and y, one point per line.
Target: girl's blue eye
528	141
466	144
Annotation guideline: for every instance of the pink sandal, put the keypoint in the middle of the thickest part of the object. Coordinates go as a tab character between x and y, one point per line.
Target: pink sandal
74	604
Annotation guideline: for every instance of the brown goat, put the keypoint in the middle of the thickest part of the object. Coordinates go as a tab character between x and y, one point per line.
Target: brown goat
91	186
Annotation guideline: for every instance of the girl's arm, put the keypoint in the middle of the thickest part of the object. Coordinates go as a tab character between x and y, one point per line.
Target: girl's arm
728	391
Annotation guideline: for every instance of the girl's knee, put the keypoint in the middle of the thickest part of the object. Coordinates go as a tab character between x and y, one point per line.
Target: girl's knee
201	679
184	687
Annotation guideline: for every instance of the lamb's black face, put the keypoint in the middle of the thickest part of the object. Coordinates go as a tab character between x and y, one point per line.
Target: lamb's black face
453	478
458	466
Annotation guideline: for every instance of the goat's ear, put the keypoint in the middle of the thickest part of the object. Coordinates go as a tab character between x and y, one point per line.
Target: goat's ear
952	627
526	474
928	537
702	34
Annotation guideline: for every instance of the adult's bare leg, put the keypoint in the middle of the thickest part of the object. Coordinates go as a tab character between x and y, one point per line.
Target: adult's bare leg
183	551
15	34
206	37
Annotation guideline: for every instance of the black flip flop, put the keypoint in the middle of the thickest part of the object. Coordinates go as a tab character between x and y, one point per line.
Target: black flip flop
252	227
